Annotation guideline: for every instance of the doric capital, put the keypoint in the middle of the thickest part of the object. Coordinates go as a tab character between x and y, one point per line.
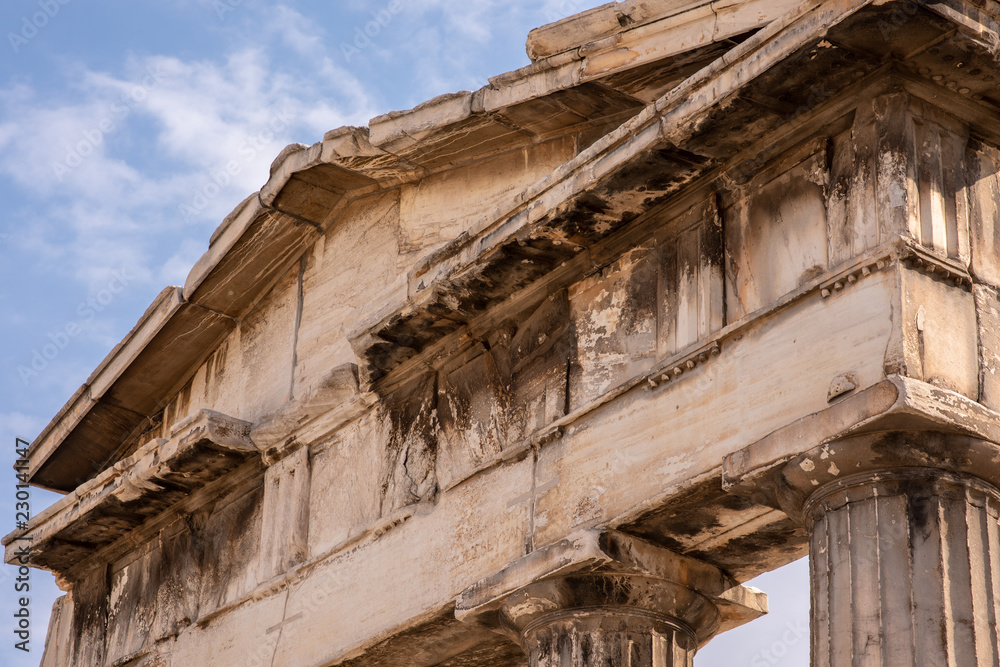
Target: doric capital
597	581
892	461
605	610
897	423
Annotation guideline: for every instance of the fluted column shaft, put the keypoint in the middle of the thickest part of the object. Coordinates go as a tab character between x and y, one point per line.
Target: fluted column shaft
905	570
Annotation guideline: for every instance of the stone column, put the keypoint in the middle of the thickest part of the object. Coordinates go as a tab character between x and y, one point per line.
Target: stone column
609	619
904	549
612	600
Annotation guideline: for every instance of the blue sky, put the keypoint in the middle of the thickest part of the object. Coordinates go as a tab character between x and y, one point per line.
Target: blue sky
120	125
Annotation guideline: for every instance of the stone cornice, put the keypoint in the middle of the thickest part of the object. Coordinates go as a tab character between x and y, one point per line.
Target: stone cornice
444	289
126	387
200	450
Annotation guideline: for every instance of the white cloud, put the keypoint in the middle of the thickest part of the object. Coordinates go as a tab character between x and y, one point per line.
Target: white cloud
17	425
175	269
553	10
296	31
472	20
138	165
135	163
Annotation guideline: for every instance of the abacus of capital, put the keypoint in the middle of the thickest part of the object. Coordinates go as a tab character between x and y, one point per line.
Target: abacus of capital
542	374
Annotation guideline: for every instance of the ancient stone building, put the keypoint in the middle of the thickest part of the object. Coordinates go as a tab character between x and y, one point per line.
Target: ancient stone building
539	374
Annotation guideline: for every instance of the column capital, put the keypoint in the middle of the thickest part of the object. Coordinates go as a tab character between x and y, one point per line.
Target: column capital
609	600
897	423
611	575
890	460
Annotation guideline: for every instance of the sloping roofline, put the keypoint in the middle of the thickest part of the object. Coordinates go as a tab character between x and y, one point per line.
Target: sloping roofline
310	186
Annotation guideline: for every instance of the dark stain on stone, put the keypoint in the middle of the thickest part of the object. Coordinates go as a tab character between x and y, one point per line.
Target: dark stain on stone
90	617
441	641
921	511
691	513
408	475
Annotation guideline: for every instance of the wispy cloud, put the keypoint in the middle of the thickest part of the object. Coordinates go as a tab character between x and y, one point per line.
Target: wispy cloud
117	155
296	31
471	20
16	425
